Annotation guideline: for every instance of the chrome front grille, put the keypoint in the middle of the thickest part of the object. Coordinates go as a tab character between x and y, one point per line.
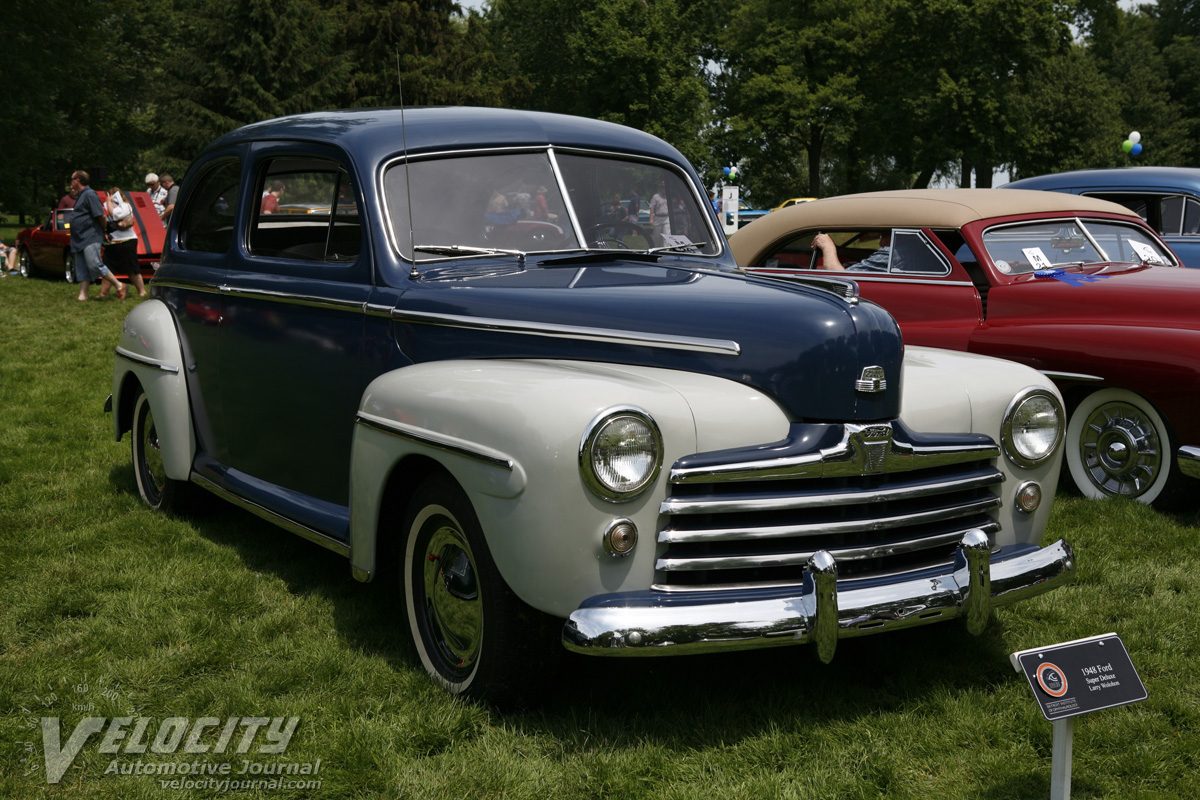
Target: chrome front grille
879	499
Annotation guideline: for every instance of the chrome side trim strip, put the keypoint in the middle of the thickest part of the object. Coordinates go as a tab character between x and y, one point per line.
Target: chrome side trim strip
290	525
145	362
720	346
424	437
1188	459
863	450
309	301
820	614
787	502
674	535
1070	376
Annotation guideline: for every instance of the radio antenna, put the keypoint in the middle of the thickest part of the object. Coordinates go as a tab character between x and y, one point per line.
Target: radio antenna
412	244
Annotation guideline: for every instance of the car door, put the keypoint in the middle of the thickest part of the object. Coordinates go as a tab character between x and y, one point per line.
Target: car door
291	339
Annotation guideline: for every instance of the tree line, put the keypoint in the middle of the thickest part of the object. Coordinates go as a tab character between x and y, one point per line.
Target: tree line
805	97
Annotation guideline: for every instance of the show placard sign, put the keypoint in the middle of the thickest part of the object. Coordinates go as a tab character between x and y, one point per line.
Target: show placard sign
1080	677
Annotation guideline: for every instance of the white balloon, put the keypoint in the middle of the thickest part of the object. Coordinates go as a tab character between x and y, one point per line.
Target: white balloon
1135	137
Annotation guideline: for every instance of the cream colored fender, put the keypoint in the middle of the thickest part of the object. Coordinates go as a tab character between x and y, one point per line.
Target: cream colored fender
510	433
148	354
946	391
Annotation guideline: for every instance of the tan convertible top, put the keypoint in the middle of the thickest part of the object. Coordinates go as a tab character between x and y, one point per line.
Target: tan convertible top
909	208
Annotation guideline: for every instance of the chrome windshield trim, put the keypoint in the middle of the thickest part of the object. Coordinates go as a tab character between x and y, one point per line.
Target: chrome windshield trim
144	361
787	502
864	449
288	524
1070	376
674	536
425	437
555	331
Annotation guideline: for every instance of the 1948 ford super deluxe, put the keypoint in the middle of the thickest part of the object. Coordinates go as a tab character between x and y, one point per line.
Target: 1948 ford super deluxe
462	361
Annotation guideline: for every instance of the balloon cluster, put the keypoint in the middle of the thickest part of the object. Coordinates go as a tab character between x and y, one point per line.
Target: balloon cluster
730	172
1133	145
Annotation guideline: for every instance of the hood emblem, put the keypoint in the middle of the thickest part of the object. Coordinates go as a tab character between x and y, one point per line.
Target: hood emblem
872	380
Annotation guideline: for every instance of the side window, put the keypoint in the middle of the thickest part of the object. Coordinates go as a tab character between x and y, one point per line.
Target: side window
1191	217
1172	215
306	211
912	253
207	224
1140	204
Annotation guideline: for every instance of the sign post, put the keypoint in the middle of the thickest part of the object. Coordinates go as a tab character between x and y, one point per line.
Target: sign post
1075	678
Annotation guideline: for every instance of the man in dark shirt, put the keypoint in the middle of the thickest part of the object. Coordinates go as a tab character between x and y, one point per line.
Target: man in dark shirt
88	236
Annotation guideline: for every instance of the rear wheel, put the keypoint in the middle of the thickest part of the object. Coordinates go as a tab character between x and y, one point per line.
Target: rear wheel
155	488
69	266
1118	444
473	635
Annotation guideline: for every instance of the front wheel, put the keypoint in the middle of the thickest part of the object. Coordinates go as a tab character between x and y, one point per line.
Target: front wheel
473	635
69	266
24	263
1117	444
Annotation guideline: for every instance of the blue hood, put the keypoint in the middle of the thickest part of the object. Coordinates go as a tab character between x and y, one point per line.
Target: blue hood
804	347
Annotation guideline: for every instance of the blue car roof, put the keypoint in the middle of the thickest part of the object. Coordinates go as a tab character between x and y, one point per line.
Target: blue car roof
1117	178
377	133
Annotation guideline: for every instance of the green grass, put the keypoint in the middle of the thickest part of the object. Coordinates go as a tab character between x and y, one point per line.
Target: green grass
226	615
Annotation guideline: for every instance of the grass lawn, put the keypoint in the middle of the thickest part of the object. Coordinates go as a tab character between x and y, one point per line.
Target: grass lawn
109	610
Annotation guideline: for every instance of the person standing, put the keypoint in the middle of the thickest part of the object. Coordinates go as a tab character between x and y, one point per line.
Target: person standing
270	200
660	215
121	253
88	237
172	188
158	195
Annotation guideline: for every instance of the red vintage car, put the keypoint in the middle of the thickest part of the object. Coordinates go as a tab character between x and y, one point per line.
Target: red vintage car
1079	288
47	248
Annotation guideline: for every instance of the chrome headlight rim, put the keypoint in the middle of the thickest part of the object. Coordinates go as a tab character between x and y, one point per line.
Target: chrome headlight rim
1008	441
593	430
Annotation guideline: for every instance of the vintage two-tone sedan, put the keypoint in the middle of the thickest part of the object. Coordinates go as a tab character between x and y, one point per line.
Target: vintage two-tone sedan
1079	288
463	366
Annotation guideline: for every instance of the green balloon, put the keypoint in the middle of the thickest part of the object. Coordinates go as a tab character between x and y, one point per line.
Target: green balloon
1127	146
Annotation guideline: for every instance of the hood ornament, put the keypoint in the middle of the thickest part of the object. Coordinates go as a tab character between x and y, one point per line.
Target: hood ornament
872	380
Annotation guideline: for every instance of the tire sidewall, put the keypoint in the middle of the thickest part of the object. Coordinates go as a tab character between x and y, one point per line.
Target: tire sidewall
137	445
1079	416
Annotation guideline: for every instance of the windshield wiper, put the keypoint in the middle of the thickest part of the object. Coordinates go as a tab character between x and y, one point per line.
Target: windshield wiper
670	247
467	250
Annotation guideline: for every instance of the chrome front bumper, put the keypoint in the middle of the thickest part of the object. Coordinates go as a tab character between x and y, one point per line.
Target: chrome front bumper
818	613
1188	459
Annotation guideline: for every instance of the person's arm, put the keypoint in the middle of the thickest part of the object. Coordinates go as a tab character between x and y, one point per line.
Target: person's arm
828	250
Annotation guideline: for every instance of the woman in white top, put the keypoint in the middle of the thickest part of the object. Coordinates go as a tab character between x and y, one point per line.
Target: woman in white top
120	255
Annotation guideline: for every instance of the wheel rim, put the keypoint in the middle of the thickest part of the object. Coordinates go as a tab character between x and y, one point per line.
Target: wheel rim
153	476
23	263
69	265
1120	450
452	607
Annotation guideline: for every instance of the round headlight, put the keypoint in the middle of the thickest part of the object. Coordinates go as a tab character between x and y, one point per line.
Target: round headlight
621	454
1033	427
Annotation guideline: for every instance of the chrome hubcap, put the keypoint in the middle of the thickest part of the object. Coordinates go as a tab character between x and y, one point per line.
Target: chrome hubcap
1120	450
153	471
453	610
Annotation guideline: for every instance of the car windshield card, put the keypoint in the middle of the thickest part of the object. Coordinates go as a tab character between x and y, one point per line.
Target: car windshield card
1147	253
1037	258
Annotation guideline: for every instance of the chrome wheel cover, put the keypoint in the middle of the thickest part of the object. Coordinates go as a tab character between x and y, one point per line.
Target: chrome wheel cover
24	264
152	475
69	267
1120	449
452	607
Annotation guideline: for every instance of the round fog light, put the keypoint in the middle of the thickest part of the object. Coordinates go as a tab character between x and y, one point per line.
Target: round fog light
620	538
1029	497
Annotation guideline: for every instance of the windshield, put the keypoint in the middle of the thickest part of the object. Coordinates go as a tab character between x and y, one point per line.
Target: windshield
500	202
1047	244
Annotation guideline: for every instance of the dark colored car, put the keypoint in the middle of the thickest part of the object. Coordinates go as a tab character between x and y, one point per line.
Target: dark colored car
1167	198
555	435
47	249
1079	288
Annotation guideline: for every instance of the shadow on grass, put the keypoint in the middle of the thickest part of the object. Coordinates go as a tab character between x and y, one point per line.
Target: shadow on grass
694	701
